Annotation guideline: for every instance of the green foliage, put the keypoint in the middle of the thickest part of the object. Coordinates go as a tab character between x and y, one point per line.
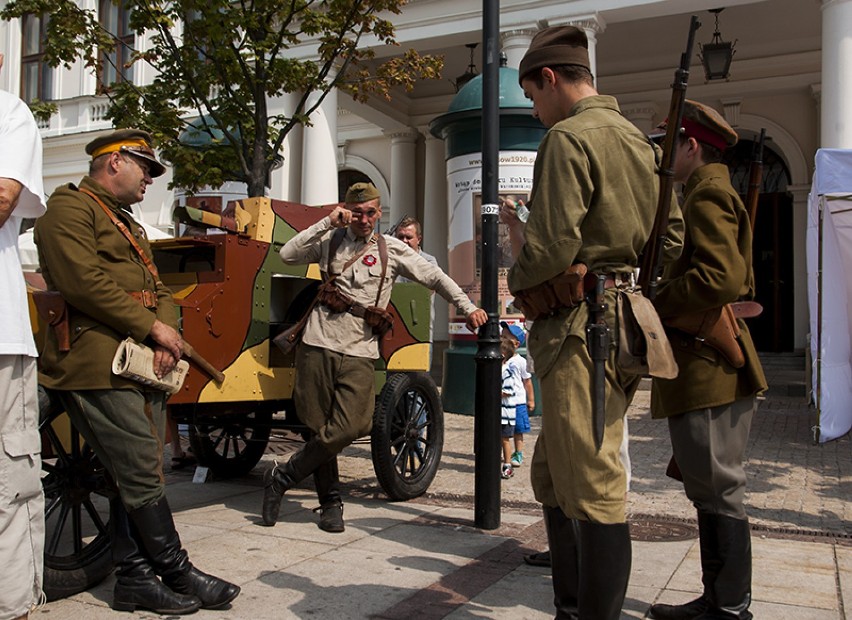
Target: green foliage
218	62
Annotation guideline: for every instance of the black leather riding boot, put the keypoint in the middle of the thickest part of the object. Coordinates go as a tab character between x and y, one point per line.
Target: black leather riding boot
327	481
562	538
687	611
729	592
605	559
709	566
725	572
136	585
279	479
161	543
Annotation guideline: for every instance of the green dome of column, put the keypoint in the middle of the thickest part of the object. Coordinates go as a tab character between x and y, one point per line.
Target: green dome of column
461	126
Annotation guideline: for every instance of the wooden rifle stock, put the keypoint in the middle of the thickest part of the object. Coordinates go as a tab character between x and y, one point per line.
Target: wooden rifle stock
653	251
755	179
190	352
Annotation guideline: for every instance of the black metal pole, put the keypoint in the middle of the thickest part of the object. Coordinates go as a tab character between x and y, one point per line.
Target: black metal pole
487	407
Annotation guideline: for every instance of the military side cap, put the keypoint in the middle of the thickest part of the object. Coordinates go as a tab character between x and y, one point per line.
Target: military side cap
704	124
132	141
361	192
555	46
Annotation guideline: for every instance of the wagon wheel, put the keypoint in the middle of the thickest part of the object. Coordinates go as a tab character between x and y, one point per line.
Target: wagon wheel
77	546
408	434
230	445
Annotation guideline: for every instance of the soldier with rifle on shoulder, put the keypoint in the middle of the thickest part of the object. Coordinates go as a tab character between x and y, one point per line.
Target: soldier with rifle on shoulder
591	210
710	405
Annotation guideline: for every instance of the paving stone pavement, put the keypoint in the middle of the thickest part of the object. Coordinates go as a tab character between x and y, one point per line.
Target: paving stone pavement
424	559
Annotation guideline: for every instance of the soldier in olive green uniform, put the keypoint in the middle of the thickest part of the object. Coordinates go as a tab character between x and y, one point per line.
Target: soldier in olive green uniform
112	293
709	406
593	203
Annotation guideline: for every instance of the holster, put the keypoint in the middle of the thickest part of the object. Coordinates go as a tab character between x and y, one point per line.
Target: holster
53	309
716	328
566	290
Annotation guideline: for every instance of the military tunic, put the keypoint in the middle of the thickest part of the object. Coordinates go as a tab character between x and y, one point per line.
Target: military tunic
335	387
342	331
594	196
87	259
714	269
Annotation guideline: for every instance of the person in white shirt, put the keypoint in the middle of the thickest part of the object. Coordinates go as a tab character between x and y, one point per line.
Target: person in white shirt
21	498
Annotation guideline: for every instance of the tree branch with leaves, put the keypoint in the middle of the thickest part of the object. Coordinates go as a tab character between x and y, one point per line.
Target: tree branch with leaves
218	63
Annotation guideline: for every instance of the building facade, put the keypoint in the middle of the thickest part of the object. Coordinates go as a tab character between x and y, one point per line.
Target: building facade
791	75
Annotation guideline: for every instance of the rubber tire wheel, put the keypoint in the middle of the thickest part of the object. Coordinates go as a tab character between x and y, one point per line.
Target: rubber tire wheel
72	477
408	435
230	446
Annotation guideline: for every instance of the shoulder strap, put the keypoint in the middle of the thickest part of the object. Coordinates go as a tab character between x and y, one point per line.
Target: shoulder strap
334	244
383	256
124	231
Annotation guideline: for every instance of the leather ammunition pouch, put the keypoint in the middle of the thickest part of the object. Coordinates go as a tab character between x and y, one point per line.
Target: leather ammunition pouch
566	290
563	291
53	309
332	298
379	319
716	328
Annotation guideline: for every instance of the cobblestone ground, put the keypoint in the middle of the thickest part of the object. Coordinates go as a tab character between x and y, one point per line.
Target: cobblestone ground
793	484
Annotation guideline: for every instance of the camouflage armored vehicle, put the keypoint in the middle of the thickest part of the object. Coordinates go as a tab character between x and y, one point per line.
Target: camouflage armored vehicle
234	295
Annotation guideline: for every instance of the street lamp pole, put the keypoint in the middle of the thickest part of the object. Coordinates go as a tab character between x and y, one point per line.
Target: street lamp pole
488	359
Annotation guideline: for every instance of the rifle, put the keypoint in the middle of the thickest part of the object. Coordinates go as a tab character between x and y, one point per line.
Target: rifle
652	253
391	232
755	178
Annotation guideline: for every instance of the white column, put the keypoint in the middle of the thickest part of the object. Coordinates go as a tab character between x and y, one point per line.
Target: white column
403	189
435	222
836	129
592	25
319	153
515	44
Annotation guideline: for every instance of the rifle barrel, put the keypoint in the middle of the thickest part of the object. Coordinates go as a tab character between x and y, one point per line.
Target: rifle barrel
652	253
755	179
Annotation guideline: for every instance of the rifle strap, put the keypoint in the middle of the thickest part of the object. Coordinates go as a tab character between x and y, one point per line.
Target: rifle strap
149	264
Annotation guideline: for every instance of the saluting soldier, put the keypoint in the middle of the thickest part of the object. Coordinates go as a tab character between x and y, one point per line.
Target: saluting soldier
591	209
334	393
113	291
710	405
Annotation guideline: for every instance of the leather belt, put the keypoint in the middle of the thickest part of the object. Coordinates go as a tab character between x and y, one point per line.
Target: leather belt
147	298
613	280
356	310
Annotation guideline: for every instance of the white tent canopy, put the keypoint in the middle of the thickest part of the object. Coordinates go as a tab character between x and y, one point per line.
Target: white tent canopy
829	248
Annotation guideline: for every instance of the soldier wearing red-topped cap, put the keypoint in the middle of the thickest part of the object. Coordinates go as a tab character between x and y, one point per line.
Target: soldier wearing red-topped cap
709	406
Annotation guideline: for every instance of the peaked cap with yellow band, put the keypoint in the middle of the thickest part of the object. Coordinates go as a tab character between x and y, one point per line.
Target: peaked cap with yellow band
131	141
361	192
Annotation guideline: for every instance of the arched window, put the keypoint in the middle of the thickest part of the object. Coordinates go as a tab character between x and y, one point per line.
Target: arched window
776	177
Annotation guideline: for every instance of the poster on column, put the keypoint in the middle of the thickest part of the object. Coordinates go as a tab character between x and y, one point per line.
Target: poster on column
464	181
